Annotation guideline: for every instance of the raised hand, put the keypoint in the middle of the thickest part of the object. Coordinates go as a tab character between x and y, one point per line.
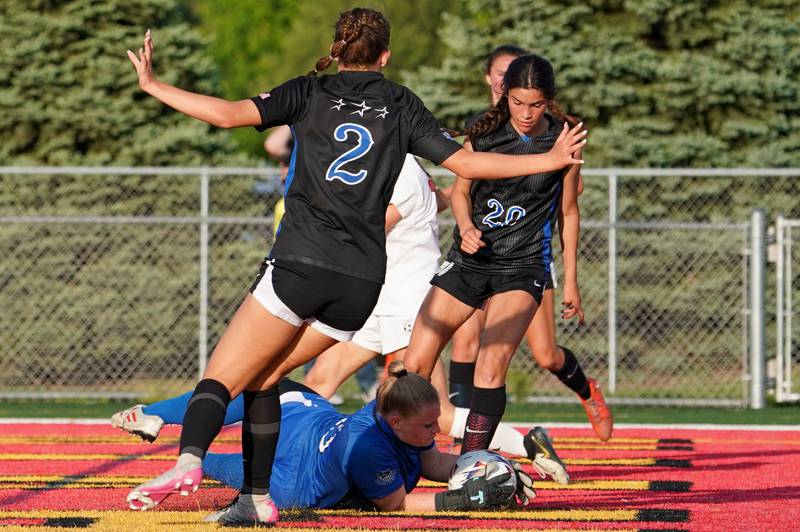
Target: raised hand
570	141
143	61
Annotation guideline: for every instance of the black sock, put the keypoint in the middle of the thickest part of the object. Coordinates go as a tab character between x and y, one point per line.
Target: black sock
462	375
260	429
486	411
572	375
204	417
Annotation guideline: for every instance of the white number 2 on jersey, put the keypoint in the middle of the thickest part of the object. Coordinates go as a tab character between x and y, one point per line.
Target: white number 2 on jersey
364	144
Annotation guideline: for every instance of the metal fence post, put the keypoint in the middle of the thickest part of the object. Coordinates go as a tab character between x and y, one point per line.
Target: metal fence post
758	261
202	351
612	283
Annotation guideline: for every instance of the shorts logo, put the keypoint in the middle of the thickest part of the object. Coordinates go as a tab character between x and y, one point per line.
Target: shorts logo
329	436
444	268
384	478
408	325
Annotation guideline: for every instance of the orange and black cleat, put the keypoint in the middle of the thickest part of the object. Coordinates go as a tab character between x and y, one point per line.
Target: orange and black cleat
598	412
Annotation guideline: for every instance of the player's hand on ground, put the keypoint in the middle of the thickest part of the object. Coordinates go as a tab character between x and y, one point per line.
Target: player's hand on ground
525	492
568	144
571	304
484	493
143	61
471	240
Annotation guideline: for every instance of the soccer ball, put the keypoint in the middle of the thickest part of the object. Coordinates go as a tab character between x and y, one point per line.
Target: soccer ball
474	465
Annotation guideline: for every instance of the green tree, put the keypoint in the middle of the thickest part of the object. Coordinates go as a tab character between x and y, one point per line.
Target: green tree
260	44
659	82
68	93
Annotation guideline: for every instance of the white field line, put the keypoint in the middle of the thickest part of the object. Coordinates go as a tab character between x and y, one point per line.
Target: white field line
655	426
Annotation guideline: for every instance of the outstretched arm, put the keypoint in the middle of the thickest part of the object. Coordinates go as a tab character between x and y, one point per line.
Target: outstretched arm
485	165
215	111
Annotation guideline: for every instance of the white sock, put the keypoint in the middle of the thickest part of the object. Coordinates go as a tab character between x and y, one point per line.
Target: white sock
459	422
509	440
189	461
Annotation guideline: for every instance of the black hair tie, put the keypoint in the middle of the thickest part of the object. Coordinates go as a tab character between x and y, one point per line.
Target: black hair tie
401	373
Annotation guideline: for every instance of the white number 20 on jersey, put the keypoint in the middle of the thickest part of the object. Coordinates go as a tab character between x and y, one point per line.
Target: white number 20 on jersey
496	219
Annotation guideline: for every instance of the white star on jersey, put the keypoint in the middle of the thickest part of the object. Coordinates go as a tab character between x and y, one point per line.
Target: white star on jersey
339	104
381	112
363	107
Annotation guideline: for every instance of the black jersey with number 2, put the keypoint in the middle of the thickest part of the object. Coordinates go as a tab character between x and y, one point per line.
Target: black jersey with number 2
351	131
516	216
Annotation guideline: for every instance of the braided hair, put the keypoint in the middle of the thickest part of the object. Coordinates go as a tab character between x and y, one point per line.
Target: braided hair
403	392
360	37
528	71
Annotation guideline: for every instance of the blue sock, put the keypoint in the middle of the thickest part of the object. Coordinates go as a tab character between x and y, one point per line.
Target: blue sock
225	467
172	410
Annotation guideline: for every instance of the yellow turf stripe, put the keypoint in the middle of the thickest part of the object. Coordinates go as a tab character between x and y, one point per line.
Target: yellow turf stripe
63	456
612	461
66	482
120	521
123	439
35	481
535	515
574	485
159	457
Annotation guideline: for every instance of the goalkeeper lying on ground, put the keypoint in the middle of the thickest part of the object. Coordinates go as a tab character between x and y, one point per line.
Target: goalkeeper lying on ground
370	459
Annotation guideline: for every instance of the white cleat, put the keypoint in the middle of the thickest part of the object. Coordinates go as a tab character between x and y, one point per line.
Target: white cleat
135	421
179	479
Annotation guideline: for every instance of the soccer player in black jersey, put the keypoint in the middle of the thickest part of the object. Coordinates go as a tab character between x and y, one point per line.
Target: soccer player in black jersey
351	132
501	254
541	334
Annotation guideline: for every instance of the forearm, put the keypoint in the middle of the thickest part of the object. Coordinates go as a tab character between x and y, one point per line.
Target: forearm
420	502
570	235
461	206
487	165
215	111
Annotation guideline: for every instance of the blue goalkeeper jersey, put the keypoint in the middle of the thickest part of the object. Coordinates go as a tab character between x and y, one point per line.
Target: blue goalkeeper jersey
327	459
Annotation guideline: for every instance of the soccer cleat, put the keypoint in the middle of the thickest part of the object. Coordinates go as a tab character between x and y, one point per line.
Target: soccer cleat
598	412
247	510
544	458
180	479
135	421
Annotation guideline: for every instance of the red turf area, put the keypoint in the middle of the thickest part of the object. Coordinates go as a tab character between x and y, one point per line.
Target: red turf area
643	479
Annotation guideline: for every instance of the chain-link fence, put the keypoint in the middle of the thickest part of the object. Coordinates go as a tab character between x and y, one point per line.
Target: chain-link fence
118	282
787	358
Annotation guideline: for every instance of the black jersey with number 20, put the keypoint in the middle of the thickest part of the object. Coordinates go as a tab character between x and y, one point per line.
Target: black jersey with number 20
516	216
351	131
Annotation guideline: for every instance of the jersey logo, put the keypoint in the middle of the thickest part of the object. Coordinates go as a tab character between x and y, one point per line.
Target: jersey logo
384	478
329	436
444	268
364	143
495	218
264	95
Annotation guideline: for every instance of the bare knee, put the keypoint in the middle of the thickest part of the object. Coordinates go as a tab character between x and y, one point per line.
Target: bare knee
549	357
492	366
